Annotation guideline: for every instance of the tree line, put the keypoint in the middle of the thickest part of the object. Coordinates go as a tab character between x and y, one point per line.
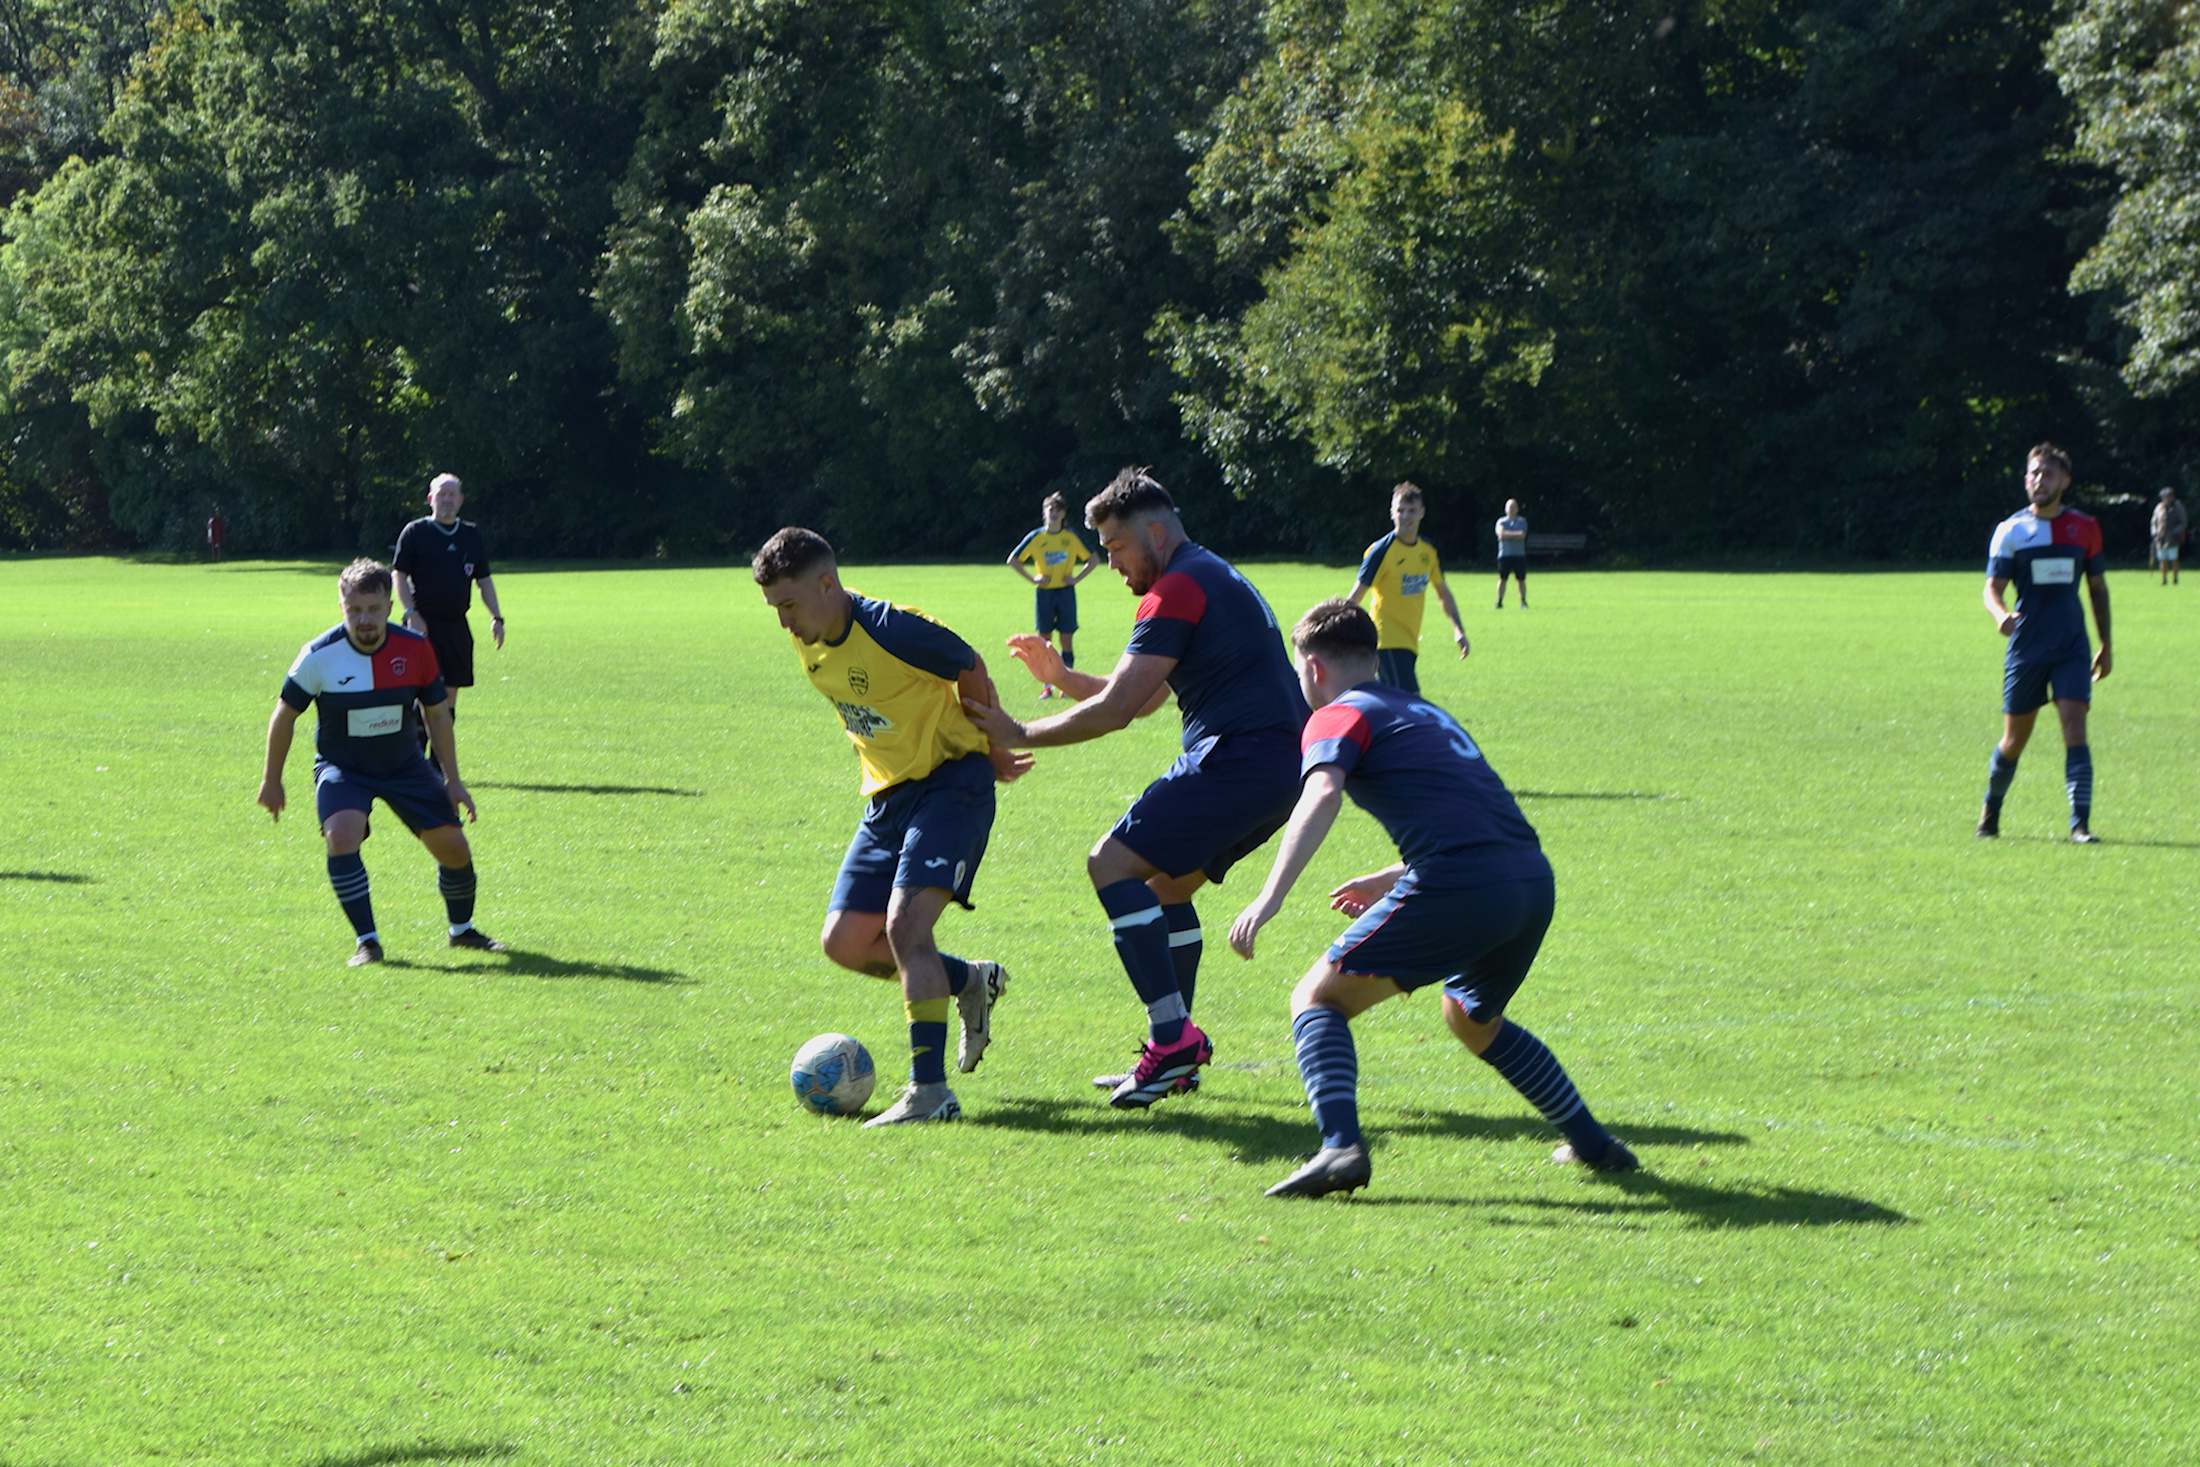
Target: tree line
1795	278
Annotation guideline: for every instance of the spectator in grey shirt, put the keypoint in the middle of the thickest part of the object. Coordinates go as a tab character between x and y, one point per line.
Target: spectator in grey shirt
1512	553
2168	529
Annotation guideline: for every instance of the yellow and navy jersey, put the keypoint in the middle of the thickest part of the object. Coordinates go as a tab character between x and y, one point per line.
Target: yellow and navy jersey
1054	556
891	678
1400	575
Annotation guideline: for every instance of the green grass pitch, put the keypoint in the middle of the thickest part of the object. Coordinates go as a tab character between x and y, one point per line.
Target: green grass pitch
1917	1110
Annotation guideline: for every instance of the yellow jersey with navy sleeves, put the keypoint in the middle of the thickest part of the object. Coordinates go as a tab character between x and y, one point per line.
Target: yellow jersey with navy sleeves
891	678
1054	556
1400	575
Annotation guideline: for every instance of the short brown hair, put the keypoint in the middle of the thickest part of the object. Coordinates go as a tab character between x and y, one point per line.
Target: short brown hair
1129	495
1404	487
1335	628
2051	453
363	575
791	552
1056	501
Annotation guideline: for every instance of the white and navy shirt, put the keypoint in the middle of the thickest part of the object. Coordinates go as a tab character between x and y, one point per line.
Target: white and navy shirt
2046	559
368	724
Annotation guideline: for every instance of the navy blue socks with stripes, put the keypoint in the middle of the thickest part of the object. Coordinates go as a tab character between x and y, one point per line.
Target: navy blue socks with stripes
457	885
1186	943
1330	1067
348	874
1142	943
1530	1068
2078	780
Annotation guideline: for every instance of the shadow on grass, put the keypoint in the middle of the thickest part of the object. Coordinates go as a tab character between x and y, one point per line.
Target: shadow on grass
1645	1195
590	789
1591	795
525	964
67	878
421	1452
1248	1135
1533	1128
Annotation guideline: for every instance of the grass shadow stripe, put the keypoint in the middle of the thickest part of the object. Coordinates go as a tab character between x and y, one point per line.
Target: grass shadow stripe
65	878
421	1452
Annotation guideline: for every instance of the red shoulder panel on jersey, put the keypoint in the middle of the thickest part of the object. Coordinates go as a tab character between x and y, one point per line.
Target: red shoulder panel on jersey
1175	597
1337	721
404	660
2084	531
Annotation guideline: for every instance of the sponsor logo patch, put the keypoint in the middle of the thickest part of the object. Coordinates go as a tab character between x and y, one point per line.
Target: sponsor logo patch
368	723
2057	570
864	723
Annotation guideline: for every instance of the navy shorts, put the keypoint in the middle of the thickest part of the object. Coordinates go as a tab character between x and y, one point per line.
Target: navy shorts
1057	609
1478	941
1394	668
453	641
1513	565
2026	686
1219	802
921	832
416	793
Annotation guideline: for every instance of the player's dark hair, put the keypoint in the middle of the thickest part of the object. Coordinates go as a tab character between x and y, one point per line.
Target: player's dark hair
1129	495
1056	501
1335	628
363	575
791	552
2051	453
1405	486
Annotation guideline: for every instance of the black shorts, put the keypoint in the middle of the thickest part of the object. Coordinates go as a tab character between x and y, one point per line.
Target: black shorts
1513	565
453	641
1395	668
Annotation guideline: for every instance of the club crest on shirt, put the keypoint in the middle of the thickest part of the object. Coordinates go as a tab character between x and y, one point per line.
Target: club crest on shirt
397	667
864	723
469	568
859	681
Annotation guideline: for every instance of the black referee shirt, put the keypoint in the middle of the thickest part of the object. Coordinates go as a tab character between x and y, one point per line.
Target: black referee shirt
443	565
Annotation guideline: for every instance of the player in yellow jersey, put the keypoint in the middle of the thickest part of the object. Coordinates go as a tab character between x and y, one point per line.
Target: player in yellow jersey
897	679
1401	569
1057	560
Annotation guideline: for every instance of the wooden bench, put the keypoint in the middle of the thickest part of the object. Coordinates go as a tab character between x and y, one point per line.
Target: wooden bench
1542	544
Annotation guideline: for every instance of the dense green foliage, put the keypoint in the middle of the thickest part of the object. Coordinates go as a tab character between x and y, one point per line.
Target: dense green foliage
1770	276
1920	1185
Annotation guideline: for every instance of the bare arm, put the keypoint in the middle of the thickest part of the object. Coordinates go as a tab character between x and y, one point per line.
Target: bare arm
1361	892
445	743
1505	534
496	612
1084	570
2004	619
976	685
280	730
1451	610
1016	564
1310	821
2096	590
405	593
1139	684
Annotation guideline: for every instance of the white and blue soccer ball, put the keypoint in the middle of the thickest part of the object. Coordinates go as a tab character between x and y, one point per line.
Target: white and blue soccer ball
833	1075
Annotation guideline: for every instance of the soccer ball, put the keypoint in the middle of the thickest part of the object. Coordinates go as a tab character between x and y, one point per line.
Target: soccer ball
833	1075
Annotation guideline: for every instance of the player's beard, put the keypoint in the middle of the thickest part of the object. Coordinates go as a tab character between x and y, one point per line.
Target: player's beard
381	635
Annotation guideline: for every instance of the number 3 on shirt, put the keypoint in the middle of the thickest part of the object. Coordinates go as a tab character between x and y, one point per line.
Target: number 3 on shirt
1461	743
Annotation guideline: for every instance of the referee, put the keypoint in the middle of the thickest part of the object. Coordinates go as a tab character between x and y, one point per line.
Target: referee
439	557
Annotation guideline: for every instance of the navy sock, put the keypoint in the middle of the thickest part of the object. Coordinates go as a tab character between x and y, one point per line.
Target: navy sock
958	972
1069	658
1530	1068
1142	942
1330	1066
2078	780
1186	943
348	874
1999	771
457	885
928	1040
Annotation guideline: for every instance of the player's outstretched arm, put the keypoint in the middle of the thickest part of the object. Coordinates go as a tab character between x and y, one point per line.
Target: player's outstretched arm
1309	826
2096	590
1045	665
2004	619
445	744
1451	610
1361	892
280	730
976	685
1139	684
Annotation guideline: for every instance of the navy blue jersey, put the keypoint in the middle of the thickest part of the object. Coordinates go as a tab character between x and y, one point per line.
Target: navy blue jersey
2046	559
443	565
367	723
1232	674
1413	768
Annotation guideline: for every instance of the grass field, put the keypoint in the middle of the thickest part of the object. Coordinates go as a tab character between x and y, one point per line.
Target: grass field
1917	1110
